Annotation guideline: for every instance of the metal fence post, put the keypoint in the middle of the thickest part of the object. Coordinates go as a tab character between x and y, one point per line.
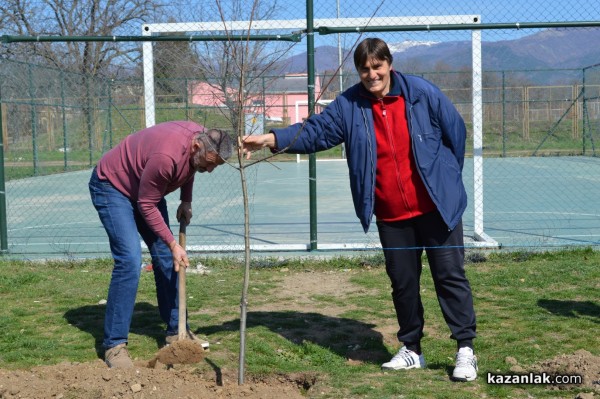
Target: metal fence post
64	120
33	122
503	115
88	116
585	112
3	221
312	158
109	112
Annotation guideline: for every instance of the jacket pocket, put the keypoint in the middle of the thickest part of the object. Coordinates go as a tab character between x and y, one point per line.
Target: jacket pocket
427	148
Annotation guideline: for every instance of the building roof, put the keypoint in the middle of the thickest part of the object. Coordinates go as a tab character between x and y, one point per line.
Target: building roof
287	84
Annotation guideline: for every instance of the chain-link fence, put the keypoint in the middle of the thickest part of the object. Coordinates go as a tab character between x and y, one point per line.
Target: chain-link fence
525	78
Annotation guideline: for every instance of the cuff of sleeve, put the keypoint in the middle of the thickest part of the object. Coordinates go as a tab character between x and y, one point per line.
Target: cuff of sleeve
275	148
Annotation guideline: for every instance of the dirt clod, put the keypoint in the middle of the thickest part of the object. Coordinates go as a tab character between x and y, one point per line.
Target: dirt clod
180	352
582	363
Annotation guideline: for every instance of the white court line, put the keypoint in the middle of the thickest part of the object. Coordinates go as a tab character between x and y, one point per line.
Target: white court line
46	225
542	213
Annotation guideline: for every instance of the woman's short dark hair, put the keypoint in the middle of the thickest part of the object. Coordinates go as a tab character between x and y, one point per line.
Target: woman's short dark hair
372	48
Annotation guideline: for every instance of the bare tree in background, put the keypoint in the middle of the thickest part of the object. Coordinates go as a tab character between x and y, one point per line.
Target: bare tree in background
76	18
90	59
175	65
239	70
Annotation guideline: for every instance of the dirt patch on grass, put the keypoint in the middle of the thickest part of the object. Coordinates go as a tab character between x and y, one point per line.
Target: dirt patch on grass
95	380
298	291
581	363
297	315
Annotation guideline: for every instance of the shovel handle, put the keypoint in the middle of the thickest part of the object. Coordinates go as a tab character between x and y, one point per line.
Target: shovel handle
182	232
182	323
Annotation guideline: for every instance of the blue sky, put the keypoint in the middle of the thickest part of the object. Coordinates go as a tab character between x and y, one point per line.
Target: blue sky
491	11
496	11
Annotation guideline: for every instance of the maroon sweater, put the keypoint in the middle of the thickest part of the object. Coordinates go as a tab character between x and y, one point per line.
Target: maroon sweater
150	164
399	191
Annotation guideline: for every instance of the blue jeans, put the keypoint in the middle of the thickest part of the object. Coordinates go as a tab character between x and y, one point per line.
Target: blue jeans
124	225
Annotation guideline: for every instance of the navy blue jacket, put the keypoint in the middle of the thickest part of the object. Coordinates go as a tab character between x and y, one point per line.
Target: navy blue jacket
437	133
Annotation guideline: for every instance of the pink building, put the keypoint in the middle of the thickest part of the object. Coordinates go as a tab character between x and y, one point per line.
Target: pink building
207	95
285	98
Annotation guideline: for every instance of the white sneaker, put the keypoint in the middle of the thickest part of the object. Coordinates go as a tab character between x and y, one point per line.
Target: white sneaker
466	365
405	359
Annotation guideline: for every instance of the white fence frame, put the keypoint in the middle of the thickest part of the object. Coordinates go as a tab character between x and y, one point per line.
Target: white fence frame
481	238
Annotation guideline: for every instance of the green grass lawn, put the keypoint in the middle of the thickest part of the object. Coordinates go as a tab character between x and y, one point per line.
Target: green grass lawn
331	318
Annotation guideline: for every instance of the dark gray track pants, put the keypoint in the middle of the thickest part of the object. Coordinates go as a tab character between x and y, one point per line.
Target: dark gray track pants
403	243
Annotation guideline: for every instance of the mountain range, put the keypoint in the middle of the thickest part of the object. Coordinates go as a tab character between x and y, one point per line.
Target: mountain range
556	48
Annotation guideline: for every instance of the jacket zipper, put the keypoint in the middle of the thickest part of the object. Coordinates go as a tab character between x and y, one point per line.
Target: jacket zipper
392	142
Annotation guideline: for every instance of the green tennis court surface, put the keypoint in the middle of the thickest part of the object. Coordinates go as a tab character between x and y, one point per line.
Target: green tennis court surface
528	203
